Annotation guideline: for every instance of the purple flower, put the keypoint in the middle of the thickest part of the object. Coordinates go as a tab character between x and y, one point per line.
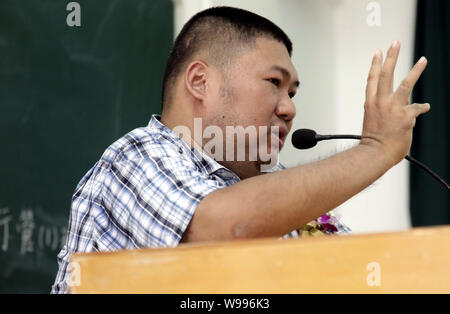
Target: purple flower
329	228
324	219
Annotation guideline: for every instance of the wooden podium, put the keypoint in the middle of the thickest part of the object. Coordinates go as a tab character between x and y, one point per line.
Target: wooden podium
414	261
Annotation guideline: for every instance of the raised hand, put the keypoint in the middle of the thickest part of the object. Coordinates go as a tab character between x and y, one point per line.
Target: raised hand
388	117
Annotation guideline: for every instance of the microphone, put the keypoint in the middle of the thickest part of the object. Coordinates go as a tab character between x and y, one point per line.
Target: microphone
306	138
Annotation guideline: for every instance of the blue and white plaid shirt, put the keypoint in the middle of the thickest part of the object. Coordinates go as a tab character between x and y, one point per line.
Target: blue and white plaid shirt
143	192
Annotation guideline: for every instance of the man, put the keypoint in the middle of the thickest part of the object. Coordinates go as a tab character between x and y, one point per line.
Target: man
230	67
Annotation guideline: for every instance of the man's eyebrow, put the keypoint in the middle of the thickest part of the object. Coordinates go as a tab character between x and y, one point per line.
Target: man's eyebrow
285	72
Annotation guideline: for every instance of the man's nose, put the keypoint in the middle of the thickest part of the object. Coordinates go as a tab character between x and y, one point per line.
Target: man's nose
286	109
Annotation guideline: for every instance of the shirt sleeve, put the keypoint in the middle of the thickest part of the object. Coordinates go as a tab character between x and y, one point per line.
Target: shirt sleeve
150	201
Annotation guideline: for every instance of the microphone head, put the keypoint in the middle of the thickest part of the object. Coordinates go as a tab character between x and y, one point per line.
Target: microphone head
304	138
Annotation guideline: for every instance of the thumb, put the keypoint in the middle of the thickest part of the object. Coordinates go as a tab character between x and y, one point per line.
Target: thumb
419	109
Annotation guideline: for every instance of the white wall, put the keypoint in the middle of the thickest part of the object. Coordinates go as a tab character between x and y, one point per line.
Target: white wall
333	47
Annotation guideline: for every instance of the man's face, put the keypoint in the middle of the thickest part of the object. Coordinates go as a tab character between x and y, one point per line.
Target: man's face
256	90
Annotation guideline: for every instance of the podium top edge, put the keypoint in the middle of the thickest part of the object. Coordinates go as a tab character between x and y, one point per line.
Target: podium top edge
432	231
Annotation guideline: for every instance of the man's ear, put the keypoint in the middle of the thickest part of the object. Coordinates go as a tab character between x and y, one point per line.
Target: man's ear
196	79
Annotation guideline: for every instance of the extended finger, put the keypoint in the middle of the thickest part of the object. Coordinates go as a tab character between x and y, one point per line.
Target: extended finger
385	85
418	109
374	76
404	90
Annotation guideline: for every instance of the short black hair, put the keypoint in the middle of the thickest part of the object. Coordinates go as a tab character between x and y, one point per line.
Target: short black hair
218	30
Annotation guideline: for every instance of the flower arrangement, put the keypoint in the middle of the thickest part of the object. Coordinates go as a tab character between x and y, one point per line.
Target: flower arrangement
324	225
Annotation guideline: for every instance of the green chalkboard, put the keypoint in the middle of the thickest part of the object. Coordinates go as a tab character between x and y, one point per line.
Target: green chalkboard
66	93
